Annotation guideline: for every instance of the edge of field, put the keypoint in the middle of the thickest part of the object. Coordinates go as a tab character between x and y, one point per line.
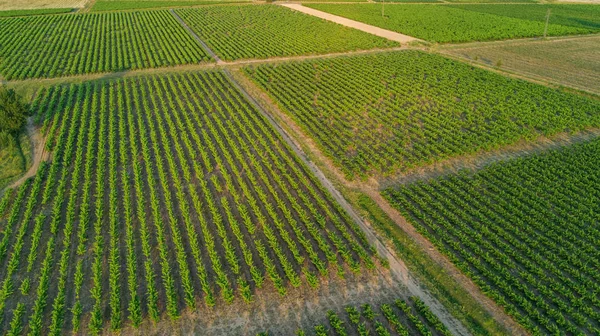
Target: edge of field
446	285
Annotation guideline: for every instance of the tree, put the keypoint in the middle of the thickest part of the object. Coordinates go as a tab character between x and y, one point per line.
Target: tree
13	111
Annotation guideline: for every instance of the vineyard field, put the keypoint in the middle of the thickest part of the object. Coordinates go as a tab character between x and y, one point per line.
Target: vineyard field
462	23
388	113
164	193
61	45
400	317
526	231
263	31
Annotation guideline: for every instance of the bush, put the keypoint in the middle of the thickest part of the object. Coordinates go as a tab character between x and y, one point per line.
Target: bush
13	111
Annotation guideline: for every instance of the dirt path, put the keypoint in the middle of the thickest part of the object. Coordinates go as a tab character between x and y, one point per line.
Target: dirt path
388	34
40	154
371	187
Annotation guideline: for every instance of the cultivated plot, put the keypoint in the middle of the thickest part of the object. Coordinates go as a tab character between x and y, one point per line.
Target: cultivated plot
263	31
398	317
61	45
526	231
462	23
163	193
571	62
392	112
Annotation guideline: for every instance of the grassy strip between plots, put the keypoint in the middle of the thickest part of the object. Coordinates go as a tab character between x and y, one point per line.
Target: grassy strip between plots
263	31
446	290
462	23
392	112
60	45
26	12
526	231
100	6
164	193
396	318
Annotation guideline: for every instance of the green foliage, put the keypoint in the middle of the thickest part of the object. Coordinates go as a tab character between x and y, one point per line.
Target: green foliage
393	112
62	45
13	113
525	231
569	15
253	31
462	23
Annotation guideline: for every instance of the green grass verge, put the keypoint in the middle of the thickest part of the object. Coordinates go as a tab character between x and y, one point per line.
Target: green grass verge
102	6
26	12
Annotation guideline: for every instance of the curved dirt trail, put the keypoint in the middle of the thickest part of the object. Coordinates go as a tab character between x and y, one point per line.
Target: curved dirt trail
40	154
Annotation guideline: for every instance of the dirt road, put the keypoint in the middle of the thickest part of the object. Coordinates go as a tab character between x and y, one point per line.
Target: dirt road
388	34
39	153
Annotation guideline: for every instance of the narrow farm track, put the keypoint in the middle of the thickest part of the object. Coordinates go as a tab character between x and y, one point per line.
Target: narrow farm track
388	34
398	268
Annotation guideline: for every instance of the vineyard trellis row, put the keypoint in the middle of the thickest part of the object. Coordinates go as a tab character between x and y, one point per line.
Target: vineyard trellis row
526	231
150	170
62	45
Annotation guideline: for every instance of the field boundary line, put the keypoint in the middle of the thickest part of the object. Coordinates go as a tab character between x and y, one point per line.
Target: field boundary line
477	161
196	37
199	66
397	266
388	34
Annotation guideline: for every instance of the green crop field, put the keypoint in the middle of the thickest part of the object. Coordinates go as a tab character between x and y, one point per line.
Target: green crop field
526	231
573	15
397	318
177	192
109	5
61	45
255	31
461	23
391	112
27	12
